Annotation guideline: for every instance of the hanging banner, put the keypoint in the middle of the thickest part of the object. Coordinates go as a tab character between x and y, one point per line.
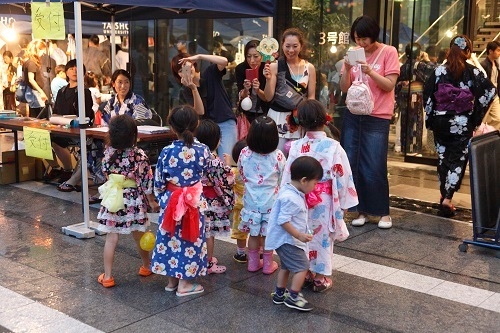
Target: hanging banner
37	143
48	20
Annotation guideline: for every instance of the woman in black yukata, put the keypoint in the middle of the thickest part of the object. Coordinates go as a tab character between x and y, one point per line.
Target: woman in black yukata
454	123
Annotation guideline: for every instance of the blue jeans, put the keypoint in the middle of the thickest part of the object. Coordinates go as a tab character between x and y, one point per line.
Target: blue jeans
229	138
365	140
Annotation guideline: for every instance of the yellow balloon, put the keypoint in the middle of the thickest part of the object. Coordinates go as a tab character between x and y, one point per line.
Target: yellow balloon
147	241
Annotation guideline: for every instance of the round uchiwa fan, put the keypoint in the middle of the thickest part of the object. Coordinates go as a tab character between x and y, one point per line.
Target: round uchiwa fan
268	47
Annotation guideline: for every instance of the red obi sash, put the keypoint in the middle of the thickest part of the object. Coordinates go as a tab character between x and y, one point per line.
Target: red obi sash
183	207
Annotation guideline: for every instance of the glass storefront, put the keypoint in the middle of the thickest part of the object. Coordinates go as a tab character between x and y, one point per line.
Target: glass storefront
424	26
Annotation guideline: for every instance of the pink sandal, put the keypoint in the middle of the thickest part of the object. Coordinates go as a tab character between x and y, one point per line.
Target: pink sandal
321	285
213	268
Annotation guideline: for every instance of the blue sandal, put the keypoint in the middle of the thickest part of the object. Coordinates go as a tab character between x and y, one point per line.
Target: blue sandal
192	291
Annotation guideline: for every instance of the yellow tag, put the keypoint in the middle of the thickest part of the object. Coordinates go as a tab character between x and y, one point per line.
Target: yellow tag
47	20
37	143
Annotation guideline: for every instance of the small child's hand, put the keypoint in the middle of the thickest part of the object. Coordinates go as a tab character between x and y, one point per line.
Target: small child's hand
228	159
155	208
305	237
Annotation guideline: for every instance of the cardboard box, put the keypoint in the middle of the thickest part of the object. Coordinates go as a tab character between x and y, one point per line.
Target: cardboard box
8	168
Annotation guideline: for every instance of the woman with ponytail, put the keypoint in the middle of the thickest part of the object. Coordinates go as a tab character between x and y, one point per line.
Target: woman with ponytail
453	121
180	251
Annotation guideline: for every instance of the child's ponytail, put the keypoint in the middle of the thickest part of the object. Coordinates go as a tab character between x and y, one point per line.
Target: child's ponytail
183	120
187	137
334	131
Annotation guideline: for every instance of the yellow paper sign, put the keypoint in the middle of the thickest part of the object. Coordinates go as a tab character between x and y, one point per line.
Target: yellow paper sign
48	20
37	143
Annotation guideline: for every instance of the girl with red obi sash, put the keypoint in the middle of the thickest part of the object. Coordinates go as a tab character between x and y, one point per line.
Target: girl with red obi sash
181	251
331	196
218	194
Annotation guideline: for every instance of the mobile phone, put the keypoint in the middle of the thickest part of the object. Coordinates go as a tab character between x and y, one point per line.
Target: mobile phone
251	74
187	69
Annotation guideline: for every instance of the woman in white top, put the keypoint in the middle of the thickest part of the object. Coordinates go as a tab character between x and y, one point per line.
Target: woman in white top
299	72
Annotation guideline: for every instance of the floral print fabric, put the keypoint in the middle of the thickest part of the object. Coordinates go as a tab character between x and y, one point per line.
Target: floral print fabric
182	166
221	178
133	164
452	130
261	175
328	215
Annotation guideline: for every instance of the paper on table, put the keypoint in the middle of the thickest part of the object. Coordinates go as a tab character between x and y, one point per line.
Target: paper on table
64	120
61	120
98	129
149	129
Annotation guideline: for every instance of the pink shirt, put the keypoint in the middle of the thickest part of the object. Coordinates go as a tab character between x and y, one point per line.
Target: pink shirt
387	63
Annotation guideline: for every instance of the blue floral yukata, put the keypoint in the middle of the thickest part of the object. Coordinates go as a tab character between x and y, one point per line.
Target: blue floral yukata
181	166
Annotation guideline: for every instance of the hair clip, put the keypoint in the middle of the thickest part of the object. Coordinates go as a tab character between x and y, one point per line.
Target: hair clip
460	42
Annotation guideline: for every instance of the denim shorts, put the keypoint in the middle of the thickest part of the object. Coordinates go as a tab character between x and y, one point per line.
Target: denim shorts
292	258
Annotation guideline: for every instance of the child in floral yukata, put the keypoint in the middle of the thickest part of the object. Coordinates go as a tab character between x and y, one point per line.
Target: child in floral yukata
261	167
218	195
331	196
126	195
181	250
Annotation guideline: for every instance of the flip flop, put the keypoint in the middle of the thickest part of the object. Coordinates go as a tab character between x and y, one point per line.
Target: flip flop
192	291
65	187
93	199
167	288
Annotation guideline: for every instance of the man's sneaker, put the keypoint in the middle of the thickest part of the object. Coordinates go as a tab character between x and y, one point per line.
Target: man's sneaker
277	299
241	258
298	303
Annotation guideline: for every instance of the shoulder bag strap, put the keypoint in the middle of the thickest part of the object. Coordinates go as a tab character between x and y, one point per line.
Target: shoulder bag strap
379	54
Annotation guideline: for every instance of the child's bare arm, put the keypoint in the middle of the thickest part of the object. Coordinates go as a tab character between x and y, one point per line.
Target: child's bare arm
295	233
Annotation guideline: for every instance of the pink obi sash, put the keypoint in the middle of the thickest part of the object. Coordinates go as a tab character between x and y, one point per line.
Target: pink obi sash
314	197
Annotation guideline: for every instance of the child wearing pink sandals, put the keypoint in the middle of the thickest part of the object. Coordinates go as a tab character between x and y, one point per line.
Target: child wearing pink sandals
261	167
331	196
218	196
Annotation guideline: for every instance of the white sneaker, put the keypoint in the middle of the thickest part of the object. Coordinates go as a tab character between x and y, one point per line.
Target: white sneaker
360	221
385	224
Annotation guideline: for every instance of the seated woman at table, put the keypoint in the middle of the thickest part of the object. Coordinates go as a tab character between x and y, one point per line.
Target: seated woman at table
67	104
124	101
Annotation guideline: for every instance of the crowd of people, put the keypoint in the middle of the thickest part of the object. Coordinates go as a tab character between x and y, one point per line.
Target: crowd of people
283	182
